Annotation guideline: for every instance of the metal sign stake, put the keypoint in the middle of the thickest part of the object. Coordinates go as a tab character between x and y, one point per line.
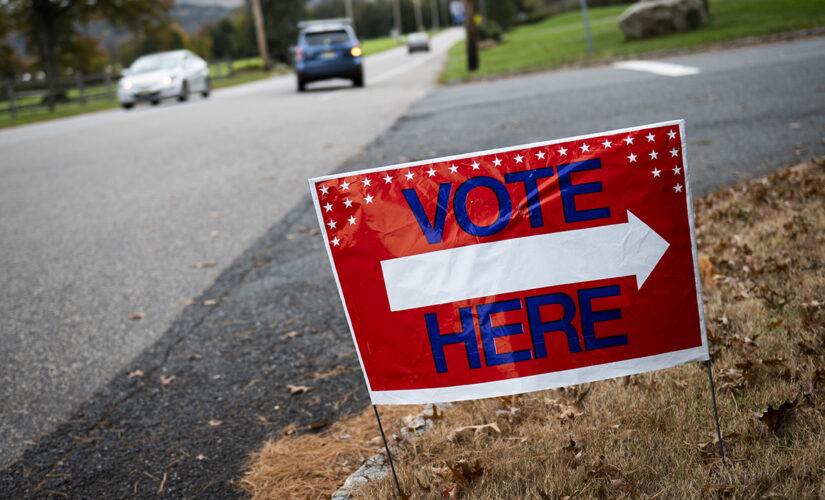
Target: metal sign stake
389	455
716	414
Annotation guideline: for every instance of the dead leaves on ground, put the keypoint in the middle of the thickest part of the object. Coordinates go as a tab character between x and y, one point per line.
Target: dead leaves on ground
297	389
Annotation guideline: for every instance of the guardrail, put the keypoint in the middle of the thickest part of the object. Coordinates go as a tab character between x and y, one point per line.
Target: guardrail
18	95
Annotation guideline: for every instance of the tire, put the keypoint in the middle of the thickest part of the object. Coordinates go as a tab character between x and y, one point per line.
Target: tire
155	102
358	79
208	88
128	105
184	92
302	85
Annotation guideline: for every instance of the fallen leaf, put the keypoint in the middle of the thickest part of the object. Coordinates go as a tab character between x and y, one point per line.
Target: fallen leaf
164	380
135	316
290	335
205	264
194	357
316	426
297	389
215	215
201	456
136	373
214	234
210	302
706	271
470	431
188	302
774	418
215	423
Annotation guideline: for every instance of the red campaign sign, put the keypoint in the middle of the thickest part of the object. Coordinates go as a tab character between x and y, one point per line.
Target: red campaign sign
518	269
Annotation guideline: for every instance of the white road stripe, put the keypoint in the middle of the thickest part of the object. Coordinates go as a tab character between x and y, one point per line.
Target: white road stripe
657	68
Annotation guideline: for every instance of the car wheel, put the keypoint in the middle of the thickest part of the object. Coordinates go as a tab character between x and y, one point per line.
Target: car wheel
358	79
155	102
302	85
208	88
128	105
184	92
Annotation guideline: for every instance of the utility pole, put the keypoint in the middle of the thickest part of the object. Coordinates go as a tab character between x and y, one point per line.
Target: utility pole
396	14
472	34
419	23
261	34
350	15
434	24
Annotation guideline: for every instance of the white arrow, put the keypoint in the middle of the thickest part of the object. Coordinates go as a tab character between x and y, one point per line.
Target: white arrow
631	248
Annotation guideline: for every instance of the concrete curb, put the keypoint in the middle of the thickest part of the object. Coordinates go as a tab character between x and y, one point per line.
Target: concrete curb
377	466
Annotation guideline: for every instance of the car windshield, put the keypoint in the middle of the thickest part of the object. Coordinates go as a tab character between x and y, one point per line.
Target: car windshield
155	62
327	37
416	37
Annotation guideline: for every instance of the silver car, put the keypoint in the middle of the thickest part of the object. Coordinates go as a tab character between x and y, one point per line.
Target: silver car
155	77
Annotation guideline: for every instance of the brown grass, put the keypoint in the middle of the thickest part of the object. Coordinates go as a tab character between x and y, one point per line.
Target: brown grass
652	435
309	465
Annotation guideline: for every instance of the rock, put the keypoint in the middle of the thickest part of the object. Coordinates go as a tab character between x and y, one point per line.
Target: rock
651	18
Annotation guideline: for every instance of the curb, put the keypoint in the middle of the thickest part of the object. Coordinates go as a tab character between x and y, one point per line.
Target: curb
377	466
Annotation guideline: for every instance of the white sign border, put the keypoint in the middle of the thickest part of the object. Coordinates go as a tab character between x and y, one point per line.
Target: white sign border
542	381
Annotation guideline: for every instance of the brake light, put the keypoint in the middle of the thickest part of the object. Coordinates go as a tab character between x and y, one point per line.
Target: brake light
299	54
355	51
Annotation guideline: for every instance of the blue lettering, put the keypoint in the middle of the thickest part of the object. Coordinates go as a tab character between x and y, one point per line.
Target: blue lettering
531	187
490	333
435	230
467	337
590	317
539	328
569	191
505	206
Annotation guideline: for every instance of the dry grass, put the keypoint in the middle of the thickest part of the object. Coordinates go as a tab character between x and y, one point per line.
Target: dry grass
310	465
653	435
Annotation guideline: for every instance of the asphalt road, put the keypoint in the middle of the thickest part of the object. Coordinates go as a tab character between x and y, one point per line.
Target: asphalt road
109	214
748	111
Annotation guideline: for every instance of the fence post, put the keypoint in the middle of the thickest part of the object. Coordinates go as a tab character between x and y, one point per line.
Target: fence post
80	86
12	107
107	81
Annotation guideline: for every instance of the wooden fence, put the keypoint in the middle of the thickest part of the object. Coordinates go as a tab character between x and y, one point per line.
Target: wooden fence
18	95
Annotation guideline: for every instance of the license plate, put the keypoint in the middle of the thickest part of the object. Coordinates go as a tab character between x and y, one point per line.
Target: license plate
143	93
329	54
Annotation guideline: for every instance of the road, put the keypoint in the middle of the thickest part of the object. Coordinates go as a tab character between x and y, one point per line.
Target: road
748	111
109	214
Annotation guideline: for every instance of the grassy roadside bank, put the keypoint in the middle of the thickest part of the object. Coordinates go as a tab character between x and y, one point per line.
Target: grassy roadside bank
762	255
560	40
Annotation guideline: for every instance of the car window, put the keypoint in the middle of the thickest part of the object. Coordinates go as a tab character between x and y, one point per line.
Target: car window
326	37
155	62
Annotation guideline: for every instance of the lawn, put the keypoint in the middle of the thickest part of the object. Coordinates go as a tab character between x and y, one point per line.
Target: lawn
560	39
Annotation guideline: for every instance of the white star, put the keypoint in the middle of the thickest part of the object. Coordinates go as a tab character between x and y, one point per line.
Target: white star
336	241
519	158
496	162
409	175
453	169
352	220
653	155
368	198
345	185
677	170
348	203
650	137
388	179
632	158
584	148
607	143
677	188
328	207
674	152
475	164
656	172
628	140
431	172
366	182
331	224
563	151
540	155
324	189
671	134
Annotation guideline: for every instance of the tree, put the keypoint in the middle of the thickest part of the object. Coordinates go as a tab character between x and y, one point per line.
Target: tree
50	24
281	21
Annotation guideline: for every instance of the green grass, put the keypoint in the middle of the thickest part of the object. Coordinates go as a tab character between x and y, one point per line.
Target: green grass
560	40
377	45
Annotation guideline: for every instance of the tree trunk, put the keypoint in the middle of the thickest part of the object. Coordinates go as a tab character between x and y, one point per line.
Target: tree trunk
46	46
472	34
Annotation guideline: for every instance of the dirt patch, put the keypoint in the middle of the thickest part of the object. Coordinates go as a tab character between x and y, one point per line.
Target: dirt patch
763	264
306	465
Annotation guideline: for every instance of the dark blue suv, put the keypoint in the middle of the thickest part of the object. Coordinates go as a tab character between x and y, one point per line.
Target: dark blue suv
327	49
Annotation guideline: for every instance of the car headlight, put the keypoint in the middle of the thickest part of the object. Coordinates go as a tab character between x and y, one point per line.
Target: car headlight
126	84
167	80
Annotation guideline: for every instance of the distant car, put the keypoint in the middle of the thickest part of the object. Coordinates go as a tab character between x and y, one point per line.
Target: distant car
418	41
164	75
327	49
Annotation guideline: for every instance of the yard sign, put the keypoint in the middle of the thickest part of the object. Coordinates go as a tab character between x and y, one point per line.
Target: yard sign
518	269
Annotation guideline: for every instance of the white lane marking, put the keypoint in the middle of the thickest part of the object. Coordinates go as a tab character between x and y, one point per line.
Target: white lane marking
657	68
